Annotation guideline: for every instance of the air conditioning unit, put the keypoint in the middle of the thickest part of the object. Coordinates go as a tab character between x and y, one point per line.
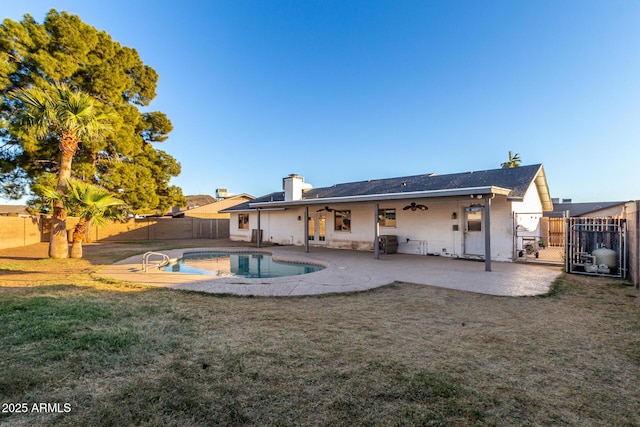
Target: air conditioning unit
222	193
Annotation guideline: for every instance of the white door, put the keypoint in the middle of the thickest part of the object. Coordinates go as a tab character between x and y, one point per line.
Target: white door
473	232
317	228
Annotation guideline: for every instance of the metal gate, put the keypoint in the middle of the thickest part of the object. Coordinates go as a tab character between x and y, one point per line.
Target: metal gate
597	246
538	239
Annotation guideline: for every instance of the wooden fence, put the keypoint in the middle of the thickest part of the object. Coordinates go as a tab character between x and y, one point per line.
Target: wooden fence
555	230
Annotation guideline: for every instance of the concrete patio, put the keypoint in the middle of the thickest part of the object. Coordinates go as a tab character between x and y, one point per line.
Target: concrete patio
349	271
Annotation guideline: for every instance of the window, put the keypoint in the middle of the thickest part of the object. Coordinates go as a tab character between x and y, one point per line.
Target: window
243	221
387	217
342	220
474	220
474	225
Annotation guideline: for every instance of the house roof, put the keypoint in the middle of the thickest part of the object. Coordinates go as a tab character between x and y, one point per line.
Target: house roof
580	209
512	182
217	205
13	209
199	200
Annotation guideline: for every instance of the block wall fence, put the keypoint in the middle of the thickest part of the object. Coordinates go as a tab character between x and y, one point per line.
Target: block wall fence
17	231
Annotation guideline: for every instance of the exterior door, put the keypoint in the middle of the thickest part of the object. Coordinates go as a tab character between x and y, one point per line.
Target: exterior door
317	228
473	231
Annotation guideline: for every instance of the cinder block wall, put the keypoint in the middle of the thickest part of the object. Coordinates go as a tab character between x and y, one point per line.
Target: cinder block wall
163	229
633	231
16	231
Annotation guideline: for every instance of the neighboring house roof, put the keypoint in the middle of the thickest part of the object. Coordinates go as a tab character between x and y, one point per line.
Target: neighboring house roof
580	209
512	182
199	200
13	210
215	207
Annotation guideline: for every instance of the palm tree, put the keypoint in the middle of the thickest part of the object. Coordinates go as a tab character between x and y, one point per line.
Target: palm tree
514	161
91	203
69	117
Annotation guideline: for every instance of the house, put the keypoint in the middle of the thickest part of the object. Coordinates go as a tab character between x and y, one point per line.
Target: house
14	210
213	208
591	209
428	214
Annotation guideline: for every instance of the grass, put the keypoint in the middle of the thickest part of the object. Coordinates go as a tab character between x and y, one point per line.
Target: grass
123	354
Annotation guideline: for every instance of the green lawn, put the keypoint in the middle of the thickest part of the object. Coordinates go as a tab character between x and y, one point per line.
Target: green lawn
120	354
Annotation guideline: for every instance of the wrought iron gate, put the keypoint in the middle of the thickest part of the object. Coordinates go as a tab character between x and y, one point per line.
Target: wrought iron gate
597	246
538	239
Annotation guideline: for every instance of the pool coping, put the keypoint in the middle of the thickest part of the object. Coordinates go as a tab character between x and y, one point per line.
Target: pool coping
346	271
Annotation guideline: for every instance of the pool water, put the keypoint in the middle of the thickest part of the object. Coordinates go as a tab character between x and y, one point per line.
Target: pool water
249	265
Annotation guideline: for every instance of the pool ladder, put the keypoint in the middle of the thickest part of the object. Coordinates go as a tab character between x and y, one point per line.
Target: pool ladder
160	264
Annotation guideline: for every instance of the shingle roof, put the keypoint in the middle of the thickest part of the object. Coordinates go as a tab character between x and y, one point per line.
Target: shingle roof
579	209
13	209
517	180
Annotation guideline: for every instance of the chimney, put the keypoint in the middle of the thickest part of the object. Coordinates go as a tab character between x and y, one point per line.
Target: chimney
293	186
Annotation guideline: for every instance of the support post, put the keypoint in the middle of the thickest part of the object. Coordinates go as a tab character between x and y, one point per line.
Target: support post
376	238
487	232
258	233
306	229
568	255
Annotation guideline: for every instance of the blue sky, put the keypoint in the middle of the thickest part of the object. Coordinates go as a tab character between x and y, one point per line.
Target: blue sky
340	91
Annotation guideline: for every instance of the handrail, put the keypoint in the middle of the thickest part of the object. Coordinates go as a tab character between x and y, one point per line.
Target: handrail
147	255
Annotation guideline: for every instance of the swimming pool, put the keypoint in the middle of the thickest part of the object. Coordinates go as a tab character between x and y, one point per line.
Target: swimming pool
238	264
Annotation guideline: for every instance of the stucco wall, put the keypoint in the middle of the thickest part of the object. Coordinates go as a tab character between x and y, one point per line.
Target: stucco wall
614	211
283	227
279	227
528	216
419	232
530	202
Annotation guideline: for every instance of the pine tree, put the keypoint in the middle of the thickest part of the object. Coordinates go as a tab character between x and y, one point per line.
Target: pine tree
64	49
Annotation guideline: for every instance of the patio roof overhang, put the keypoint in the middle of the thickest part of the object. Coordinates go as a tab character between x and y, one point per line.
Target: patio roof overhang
458	192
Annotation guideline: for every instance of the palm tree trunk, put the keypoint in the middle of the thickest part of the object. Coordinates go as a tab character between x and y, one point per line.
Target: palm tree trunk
58	243
78	236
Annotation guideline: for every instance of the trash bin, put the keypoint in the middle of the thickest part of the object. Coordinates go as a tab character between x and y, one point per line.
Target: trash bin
388	244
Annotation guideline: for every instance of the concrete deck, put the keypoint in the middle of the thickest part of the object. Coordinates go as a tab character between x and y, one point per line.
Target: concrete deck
349	271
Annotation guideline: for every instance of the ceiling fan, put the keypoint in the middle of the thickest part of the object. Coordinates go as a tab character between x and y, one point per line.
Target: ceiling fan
326	208
414	207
